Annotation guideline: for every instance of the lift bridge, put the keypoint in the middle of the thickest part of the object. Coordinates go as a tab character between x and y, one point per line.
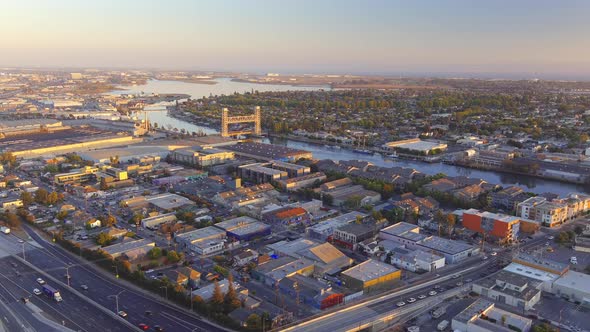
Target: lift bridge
226	120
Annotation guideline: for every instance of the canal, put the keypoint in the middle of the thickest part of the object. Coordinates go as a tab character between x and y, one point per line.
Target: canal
226	86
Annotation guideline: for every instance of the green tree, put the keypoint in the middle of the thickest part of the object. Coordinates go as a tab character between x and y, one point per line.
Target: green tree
61	215
155	253
104	239
12	219
253	322
173	256
108	220
136	219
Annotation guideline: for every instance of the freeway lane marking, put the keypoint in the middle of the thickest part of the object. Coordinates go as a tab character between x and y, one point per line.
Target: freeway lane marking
188	325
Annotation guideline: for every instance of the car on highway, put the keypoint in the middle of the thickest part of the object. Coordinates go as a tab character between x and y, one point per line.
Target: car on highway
411	300
20	241
432	293
122	314
551	237
421	296
158	328
400	304
84	287
494	253
36	291
143	326
40	281
455	276
459	284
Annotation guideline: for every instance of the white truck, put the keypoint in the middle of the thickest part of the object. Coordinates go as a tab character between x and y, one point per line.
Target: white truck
438	312
442	325
5	230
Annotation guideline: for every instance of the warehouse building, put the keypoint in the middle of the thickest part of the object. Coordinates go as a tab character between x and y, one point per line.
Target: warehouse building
324	229
370	275
244	228
202	157
203	241
155	221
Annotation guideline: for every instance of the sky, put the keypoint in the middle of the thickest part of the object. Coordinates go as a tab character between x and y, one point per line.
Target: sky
529	37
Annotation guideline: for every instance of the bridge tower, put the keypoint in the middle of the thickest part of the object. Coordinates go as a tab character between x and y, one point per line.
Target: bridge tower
226	120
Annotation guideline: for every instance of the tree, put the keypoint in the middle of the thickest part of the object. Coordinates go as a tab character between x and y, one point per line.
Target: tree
104	239
253	322
7	158
61	215
52	198
12	219
108	220
231	300
41	196
217	298
27	198
136	219
155	253
543	327
173	256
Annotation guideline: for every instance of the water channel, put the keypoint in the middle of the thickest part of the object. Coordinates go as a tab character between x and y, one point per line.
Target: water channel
227	86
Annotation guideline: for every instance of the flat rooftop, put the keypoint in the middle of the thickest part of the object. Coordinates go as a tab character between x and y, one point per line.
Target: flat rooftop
369	270
33	141
263	169
446	246
168	201
524	258
230	224
400	228
126	152
328	225
575	280
126	246
202	234
477	307
265	151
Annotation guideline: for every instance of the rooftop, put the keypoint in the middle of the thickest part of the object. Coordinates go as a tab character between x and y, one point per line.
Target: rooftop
123	247
445	245
369	270
168	201
542	263
266	151
575	280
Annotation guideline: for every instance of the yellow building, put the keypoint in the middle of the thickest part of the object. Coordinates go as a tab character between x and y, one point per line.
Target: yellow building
75	176
370	275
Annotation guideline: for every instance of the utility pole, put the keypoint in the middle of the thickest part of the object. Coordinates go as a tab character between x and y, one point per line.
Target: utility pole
24	258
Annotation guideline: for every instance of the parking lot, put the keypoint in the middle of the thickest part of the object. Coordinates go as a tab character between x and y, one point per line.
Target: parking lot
556	309
562	254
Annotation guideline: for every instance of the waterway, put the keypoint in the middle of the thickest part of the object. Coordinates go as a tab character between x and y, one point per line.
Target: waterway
226	86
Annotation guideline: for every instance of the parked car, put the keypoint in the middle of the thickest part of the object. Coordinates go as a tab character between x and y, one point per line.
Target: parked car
122	314
432	293
411	300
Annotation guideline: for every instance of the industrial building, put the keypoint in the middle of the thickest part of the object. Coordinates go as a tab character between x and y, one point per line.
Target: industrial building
510	288
409	235
267	152
63	141
483	316
155	221
416	260
416	145
131	249
202	157
77	176
168	202
244	228
325	229
326	257
287	216
304	181
370	275
125	155
574	286
203	241
258	173
275	270
10	203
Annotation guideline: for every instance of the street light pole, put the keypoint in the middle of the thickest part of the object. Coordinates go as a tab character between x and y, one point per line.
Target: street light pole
24	258
116	271
166	288
117	300
191	295
68	275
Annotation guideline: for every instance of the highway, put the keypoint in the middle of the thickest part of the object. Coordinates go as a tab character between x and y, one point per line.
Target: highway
368	310
102	289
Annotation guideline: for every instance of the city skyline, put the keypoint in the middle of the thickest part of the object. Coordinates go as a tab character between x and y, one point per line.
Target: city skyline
498	39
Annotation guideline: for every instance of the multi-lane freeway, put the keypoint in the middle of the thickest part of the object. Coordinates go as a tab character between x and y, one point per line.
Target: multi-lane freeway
102	289
450	278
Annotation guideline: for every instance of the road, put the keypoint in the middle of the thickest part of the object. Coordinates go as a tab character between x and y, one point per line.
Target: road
371	308
102	289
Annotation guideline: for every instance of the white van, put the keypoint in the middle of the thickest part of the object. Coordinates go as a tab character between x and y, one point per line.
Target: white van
574	260
442	325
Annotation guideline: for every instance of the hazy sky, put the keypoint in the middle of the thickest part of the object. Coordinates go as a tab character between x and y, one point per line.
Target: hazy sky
525	36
